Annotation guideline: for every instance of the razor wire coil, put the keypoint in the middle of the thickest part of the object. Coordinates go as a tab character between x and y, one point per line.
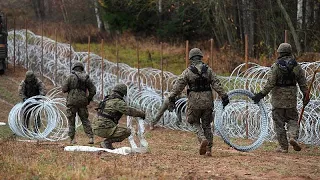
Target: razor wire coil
148	96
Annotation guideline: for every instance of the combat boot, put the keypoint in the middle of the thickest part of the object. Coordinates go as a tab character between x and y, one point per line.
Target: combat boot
295	144
208	152
281	150
91	141
203	147
106	145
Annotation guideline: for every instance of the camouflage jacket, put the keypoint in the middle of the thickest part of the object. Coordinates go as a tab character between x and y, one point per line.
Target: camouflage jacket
284	96
30	89
115	107
198	100
77	85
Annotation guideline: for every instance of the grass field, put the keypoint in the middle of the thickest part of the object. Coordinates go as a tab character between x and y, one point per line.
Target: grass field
172	155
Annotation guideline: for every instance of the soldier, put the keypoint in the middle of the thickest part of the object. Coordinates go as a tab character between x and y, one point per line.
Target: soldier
29	87
106	123
76	86
200	80
285	73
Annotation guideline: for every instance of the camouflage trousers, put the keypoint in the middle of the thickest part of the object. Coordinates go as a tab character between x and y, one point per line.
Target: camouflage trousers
203	127
114	133
282	117
83	114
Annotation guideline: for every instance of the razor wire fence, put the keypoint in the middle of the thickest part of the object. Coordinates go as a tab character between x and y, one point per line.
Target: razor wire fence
53	60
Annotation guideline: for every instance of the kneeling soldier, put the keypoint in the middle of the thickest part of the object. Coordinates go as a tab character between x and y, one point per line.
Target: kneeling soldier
106	125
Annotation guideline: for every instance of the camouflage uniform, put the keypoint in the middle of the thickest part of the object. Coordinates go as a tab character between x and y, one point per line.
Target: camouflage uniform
106	123
31	86
76	86
200	97
166	105
282	80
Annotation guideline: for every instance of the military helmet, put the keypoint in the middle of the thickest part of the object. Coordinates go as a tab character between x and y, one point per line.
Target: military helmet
120	88
30	76
195	52
284	47
78	64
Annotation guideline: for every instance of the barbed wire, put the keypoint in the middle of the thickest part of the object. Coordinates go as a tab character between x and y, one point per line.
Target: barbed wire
147	94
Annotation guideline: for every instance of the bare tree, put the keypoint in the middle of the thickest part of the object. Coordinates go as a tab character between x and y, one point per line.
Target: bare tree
96	10
291	27
39	8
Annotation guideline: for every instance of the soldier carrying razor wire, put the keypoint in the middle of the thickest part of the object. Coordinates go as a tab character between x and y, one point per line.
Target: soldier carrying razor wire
109	112
282	81
29	87
200	80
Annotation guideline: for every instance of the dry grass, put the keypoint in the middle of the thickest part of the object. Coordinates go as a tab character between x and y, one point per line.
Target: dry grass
172	155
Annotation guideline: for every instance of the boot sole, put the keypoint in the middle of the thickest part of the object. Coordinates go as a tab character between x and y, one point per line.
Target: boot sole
295	145
203	147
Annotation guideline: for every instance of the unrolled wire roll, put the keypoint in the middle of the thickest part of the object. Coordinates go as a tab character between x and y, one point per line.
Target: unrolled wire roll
49	109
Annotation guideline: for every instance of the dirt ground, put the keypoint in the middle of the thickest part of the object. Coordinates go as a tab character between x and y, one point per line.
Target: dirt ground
172	155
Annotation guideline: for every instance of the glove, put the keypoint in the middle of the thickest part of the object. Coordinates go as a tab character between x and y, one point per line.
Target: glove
306	99
143	115
257	97
172	104
225	100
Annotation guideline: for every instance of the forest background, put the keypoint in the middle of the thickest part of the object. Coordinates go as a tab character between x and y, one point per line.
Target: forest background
146	23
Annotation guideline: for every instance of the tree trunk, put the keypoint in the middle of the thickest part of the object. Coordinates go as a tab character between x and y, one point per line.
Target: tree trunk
299	13
64	11
96	10
292	29
248	27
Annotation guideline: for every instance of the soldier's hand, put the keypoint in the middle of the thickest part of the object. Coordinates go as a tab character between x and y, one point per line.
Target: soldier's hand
143	116
257	97
225	101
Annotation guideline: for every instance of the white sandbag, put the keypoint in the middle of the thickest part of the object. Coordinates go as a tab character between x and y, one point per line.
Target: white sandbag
122	150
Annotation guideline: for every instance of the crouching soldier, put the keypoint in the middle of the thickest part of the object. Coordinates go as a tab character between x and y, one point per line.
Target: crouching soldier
31	86
109	114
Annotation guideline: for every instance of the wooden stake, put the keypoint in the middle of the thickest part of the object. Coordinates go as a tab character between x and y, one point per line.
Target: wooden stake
117	59
41	51
307	95
139	81
211	53
14	44
27	59
102	91
88	60
70	64
187	53
161	60
246	61
55	57
285	36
